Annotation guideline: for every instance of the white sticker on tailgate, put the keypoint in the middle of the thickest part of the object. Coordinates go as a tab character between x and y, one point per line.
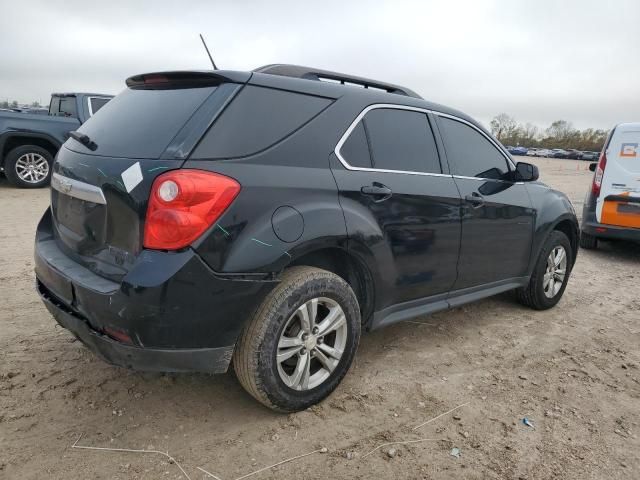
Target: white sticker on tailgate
132	176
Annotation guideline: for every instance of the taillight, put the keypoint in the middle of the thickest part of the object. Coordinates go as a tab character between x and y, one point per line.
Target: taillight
597	177
183	204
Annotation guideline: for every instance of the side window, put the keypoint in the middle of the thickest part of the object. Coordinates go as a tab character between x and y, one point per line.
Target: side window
355	150
392	139
470	153
256	119
401	140
96	103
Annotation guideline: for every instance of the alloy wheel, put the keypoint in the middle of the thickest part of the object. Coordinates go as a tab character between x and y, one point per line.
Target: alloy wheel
555	272
311	344
32	168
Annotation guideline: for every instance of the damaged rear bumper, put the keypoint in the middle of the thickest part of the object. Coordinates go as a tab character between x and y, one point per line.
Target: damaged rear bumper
210	360
169	313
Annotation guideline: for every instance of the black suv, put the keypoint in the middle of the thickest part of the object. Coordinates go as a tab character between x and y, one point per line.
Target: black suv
267	217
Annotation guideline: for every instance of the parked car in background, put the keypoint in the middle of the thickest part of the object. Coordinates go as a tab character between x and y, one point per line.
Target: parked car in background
574	154
558	153
612	207
184	230
589	156
28	143
543	152
532	152
517	150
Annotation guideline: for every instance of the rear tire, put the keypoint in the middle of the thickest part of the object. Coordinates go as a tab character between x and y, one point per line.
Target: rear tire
588	242
278	328
543	291
28	166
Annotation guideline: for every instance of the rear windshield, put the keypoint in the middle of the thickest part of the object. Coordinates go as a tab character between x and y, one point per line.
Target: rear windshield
140	123
63	107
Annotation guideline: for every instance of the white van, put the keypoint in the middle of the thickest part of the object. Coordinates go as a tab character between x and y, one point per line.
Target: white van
612	206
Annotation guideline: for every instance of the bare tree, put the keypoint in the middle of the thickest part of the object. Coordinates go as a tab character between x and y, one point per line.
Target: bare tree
560	130
560	134
503	126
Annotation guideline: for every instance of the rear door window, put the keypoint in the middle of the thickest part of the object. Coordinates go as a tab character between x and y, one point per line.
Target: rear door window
392	139
401	140
471	153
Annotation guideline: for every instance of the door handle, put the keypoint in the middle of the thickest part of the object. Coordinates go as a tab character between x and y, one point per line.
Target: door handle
379	191
475	199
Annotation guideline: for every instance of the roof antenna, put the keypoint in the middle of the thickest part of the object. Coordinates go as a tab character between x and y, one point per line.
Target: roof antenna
208	53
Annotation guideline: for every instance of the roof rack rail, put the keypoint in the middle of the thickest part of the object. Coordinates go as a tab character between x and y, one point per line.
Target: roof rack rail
308	73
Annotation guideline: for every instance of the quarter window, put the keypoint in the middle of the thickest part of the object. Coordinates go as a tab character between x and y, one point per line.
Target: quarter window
356	149
393	139
470	153
257	119
97	103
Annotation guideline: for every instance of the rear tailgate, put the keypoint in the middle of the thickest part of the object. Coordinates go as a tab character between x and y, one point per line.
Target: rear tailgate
100	190
619	200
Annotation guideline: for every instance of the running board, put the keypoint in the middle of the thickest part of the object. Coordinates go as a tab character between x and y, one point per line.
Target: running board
426	306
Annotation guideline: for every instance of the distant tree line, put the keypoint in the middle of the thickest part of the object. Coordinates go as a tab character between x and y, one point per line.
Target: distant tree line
14	104
560	134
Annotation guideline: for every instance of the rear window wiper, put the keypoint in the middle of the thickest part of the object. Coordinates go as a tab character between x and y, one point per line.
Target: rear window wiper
84	140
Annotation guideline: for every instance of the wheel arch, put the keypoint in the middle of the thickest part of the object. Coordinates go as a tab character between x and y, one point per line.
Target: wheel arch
554	211
348	267
18	139
570	228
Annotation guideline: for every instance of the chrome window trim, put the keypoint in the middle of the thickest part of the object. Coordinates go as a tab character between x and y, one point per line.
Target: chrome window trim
376	106
77	189
462	120
483	179
89	103
353	125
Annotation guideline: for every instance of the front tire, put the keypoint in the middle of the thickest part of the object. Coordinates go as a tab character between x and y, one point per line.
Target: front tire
550	275
300	343
28	166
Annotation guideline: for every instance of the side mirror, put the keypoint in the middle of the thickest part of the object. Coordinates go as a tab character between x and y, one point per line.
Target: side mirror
592	167
526	172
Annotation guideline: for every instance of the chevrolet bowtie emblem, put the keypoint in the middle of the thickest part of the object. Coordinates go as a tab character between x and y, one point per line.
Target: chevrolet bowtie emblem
65	186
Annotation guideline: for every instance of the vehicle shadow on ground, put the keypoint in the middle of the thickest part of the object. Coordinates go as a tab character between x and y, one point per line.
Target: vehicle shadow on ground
177	398
615	250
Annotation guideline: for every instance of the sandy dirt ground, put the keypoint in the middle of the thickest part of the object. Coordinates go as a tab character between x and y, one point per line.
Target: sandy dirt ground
573	371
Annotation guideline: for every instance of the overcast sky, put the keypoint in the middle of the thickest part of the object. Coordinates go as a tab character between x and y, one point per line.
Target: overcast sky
540	61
